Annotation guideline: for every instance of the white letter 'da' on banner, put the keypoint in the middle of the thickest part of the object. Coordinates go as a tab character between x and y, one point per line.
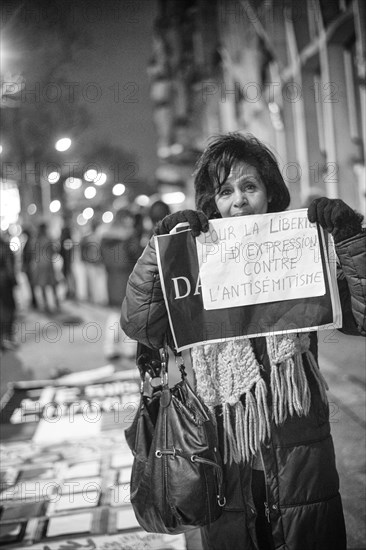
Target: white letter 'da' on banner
176	287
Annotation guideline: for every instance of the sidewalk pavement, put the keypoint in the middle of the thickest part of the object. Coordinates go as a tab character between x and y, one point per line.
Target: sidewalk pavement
73	341
342	360
39	443
70	340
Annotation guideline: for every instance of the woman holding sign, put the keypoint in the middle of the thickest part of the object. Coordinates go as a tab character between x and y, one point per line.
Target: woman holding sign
269	397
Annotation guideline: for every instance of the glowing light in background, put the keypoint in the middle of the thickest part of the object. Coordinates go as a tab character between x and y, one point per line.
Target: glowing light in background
118	189
107	217
73	183
14	244
88	213
90	175
100	179
142	200
176	149
15	230
164	152
9	203
63	144
90	192
53	177
176	197
80	220
32	209
1	149
275	115
55	206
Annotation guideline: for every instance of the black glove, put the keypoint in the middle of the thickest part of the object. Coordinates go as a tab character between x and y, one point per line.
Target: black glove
336	217
198	222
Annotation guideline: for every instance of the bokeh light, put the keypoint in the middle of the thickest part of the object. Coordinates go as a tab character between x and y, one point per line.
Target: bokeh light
73	183
175	197
118	189
107	217
55	206
88	213
15	244
100	179
90	175
32	209
80	220
142	200
90	192
176	149
53	177
15	230
63	144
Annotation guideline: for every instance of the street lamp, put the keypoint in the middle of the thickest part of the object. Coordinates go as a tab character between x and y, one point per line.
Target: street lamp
88	213
118	189
73	183
107	217
100	179
63	144
90	192
53	177
142	200
91	174
55	206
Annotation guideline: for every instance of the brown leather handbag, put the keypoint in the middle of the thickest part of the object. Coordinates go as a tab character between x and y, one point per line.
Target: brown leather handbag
177	478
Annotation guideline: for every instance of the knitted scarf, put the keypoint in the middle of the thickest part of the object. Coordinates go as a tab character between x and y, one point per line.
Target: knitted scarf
229	376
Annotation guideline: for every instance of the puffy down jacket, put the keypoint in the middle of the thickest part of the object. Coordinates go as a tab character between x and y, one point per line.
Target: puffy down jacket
302	485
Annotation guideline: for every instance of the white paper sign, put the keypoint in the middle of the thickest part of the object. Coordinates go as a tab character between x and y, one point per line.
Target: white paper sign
259	259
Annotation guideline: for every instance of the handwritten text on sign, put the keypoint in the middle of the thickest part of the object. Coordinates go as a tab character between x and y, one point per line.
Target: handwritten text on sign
262	258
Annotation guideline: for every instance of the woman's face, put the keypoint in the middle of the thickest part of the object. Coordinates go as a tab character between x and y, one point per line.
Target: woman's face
243	193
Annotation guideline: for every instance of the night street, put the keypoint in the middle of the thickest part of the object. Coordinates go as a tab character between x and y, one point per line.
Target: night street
183	175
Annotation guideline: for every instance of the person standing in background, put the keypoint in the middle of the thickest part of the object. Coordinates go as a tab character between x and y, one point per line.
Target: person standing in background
157	211
67	255
120	249
7	301
44	272
94	287
28	263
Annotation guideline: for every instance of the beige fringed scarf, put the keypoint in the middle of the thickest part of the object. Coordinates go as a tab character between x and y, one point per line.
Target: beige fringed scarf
229	375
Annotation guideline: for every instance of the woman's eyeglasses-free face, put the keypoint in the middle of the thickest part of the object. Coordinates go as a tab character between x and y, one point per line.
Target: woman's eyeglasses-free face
243	193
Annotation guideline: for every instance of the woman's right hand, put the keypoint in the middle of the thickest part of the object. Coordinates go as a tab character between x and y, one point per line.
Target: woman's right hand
198	222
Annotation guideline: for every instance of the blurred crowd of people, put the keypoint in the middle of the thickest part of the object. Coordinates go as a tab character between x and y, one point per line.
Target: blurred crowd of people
88	263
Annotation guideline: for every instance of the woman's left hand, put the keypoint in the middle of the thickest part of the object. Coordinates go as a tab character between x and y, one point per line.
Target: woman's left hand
336	217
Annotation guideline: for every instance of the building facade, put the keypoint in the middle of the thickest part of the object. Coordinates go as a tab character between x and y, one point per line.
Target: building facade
291	73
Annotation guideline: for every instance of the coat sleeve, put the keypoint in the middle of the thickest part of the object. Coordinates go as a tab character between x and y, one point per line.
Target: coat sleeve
144	317
352	283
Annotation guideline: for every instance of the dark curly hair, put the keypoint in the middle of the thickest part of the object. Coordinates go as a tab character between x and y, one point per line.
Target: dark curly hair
213	169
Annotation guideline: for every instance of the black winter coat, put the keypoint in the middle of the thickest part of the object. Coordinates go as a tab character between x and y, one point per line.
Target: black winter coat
302	484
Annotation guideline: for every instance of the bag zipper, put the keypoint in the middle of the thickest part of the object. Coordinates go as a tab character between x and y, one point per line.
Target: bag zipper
172	453
221	500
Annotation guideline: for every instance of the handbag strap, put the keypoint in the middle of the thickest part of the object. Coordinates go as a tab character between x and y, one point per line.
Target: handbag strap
179	361
155	363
